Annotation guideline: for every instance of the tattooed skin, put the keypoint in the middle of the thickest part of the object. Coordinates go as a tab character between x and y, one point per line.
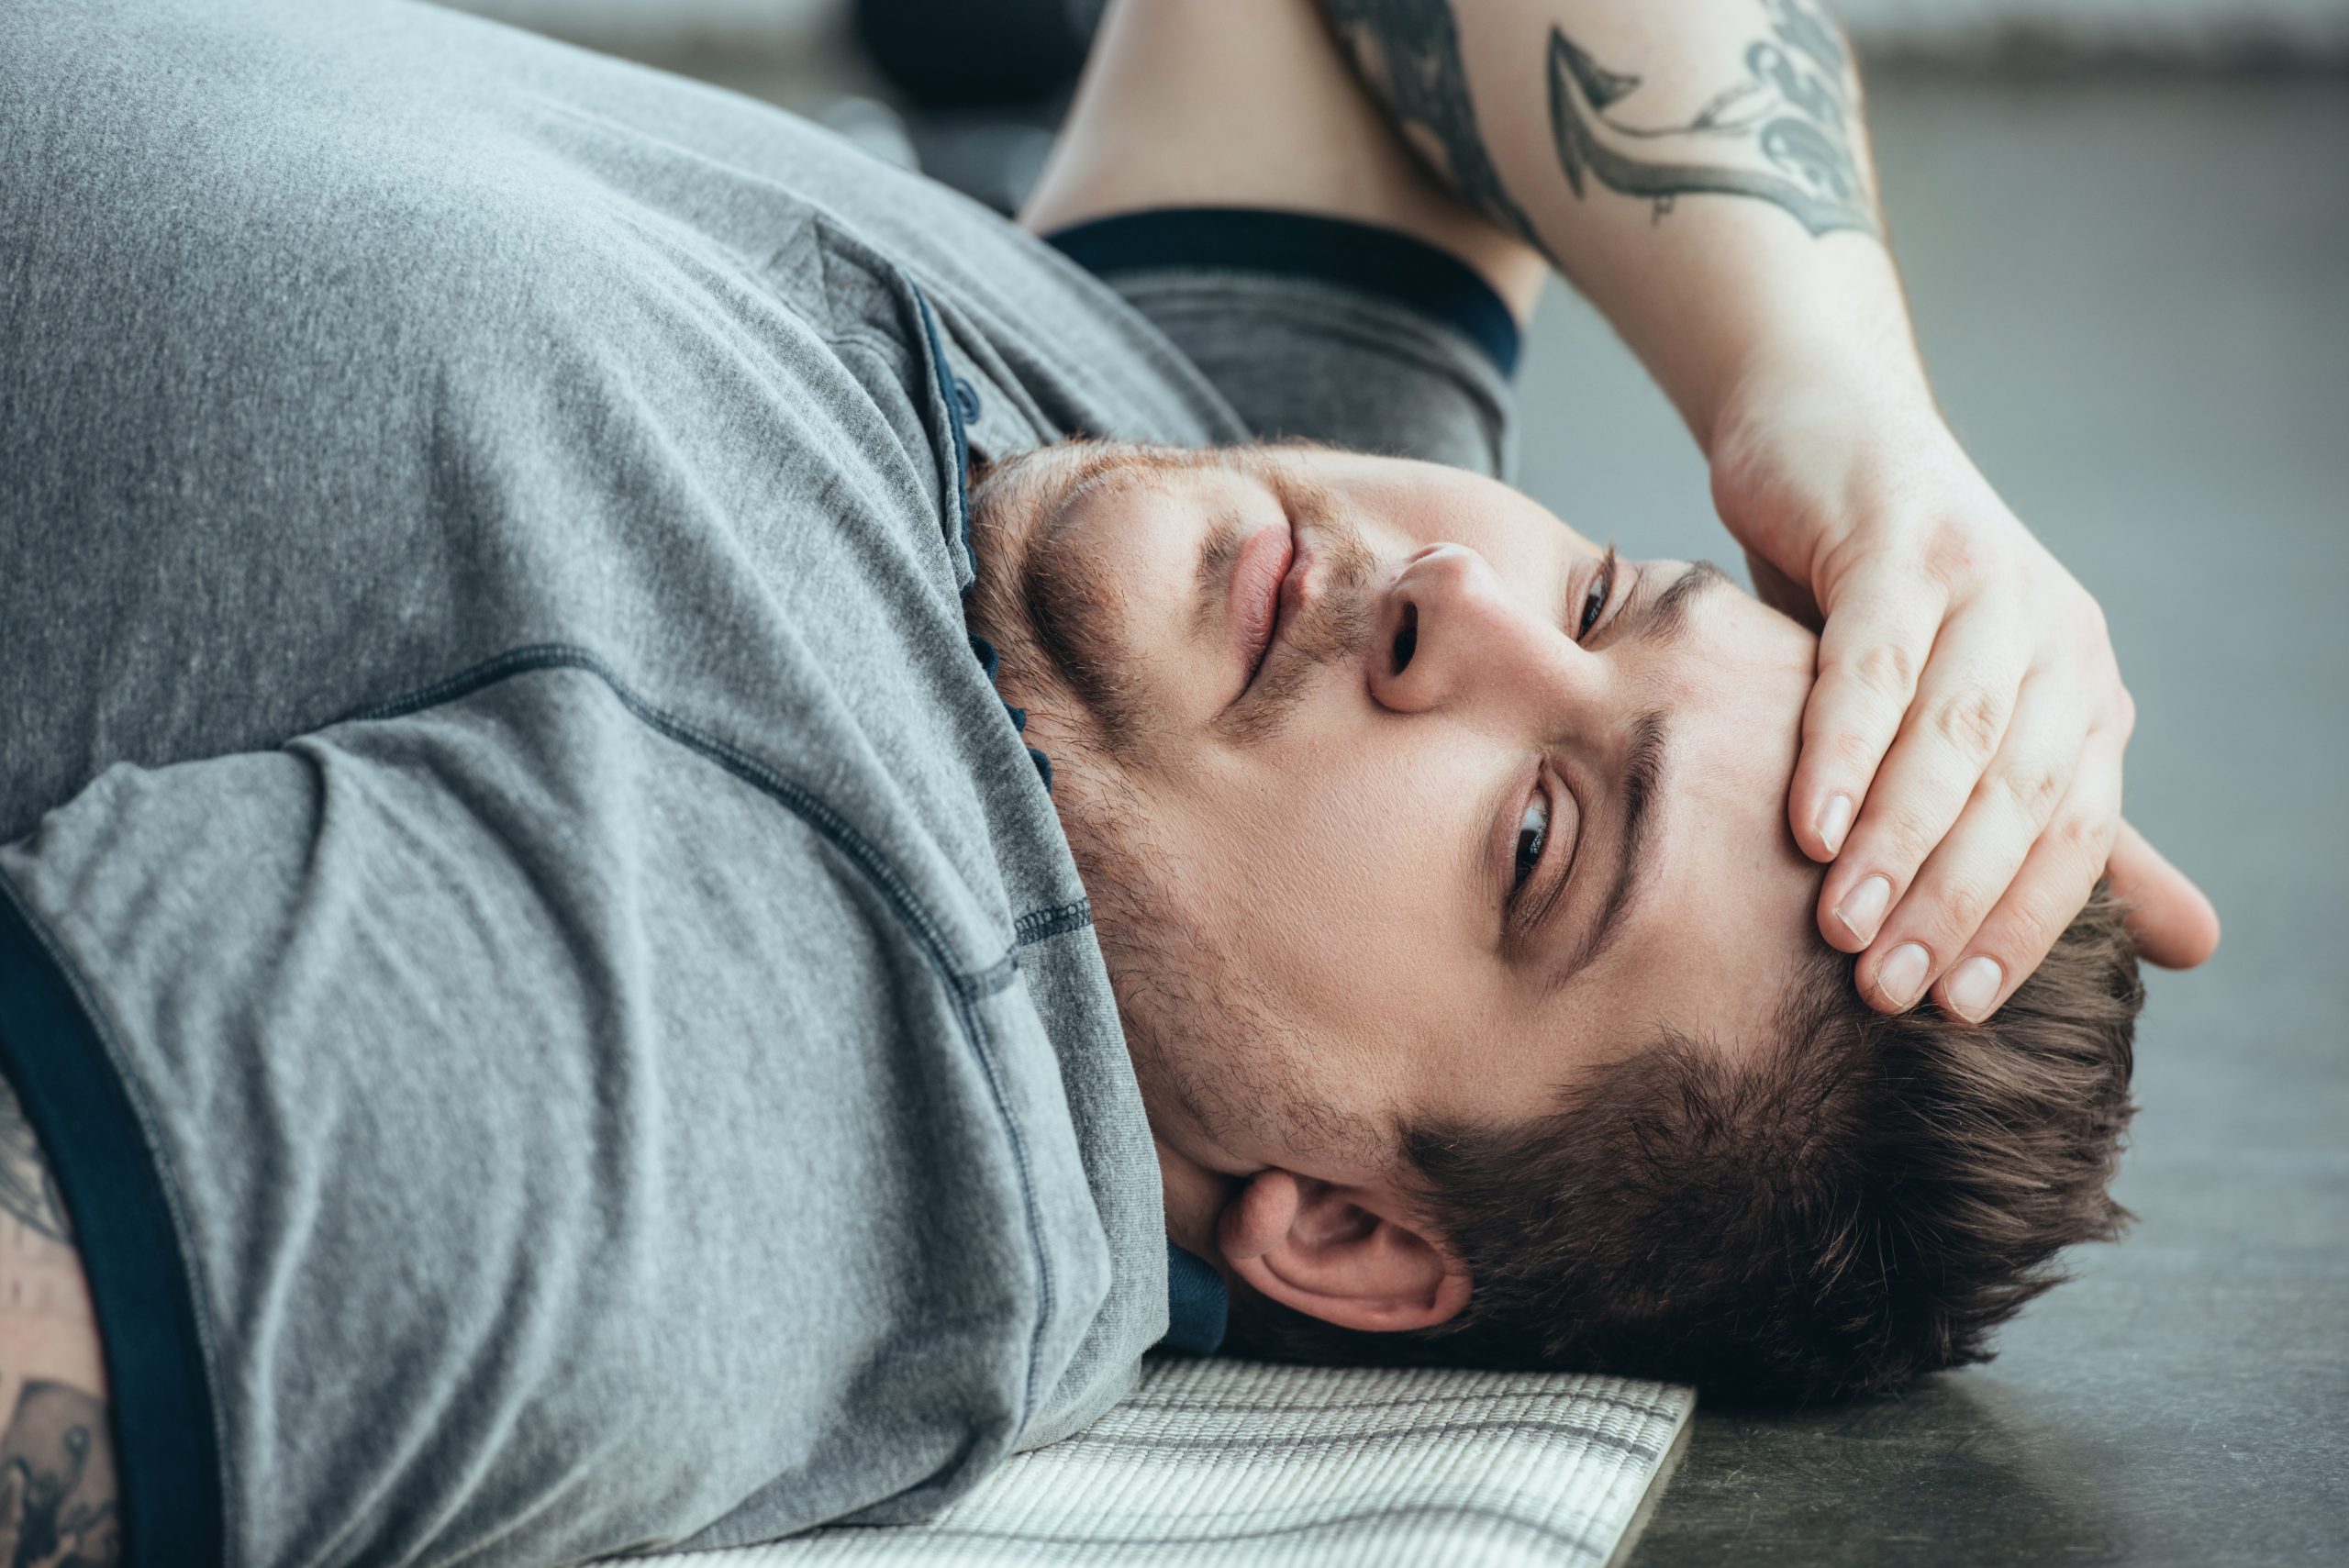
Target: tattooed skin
57	1475
57	1486
1781	132
27	1189
1794	107
1408	53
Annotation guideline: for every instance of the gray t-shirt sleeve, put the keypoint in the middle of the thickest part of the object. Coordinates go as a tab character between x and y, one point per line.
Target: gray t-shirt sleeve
512	1063
1320	329
598	1034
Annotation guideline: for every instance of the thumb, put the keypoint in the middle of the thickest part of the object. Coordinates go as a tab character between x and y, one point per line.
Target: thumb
2172	921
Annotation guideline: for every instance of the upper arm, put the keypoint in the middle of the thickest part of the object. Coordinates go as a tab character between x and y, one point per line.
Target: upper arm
58	1491
1250	104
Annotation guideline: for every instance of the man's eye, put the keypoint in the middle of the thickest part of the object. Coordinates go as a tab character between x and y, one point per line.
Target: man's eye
1594	603
1532	834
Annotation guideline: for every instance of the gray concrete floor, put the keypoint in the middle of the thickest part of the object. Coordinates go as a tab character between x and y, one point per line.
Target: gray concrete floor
2132	296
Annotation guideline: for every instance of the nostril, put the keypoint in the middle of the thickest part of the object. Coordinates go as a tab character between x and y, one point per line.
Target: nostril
1406	638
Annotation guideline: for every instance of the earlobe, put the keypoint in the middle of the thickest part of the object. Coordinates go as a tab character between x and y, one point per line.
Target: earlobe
1346	1255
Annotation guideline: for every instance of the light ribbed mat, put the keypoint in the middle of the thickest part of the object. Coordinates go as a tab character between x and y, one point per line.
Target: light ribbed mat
1226	1463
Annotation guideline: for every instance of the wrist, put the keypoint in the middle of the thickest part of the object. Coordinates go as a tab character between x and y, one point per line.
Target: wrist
1813	458
1861	381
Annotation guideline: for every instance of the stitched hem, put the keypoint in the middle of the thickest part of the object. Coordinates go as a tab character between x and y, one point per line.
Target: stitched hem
1040	925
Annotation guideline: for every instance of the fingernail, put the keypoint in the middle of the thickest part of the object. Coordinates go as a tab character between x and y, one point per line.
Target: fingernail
1834	821
1974	985
1863	909
1901	975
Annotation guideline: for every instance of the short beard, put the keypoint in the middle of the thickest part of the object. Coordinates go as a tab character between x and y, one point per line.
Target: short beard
1053	621
1203	1041
1206	1047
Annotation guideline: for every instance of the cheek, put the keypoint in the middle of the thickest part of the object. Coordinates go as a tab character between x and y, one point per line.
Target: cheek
1329	876
1417	504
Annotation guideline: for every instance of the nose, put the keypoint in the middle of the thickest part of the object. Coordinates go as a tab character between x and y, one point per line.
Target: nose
1451	636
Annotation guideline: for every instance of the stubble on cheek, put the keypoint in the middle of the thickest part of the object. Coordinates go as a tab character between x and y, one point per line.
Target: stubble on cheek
1216	1055
1209	1047
1048	606
1073	613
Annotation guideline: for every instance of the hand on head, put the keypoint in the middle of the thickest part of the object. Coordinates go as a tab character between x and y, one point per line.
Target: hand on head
1962	751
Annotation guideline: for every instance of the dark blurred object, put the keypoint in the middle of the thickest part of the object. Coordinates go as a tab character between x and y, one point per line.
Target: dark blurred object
970	55
991	158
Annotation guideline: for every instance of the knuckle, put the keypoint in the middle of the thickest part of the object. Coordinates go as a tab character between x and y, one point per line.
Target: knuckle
1949	554
1971	721
2085	837
1854	750
2031	789
2124	712
2030	926
1907	839
1886	670
1961	903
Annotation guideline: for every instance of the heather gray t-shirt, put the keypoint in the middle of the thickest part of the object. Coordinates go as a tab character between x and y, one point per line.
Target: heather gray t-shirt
549	976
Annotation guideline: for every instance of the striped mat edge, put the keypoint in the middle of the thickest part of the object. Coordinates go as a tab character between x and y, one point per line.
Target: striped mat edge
1218	1463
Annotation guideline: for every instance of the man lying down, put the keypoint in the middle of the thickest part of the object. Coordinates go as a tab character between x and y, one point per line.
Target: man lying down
642	904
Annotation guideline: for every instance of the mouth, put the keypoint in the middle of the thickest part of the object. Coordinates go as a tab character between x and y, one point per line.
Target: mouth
1260	586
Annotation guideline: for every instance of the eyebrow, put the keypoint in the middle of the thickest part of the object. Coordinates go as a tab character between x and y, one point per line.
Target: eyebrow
1664	621
1643	772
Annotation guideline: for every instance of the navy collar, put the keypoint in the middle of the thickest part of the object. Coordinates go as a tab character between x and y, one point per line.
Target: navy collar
1197	1305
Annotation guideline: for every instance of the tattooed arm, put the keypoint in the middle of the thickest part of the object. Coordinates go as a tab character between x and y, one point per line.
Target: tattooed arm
1699	170
57	1474
1696	168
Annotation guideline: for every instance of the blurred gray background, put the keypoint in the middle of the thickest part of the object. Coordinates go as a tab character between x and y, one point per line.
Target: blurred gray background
2125	229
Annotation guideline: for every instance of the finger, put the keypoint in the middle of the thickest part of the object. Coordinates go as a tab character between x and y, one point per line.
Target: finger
1878	635
2173	923
1955	731
1940	923
2047	897
1876	643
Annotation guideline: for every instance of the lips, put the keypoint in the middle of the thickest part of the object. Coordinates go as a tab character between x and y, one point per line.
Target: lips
1257	579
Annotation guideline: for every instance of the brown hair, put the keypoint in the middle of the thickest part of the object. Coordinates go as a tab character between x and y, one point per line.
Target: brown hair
1862	1203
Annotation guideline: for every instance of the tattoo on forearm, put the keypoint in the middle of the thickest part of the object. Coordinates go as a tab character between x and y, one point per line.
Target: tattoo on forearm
1794	105
1407	53
56	1483
28	1191
1782	132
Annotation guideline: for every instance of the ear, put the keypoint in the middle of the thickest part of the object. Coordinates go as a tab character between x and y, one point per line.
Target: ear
1350	1256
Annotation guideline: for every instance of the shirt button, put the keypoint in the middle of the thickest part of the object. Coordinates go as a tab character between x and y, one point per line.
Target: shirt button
966	400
